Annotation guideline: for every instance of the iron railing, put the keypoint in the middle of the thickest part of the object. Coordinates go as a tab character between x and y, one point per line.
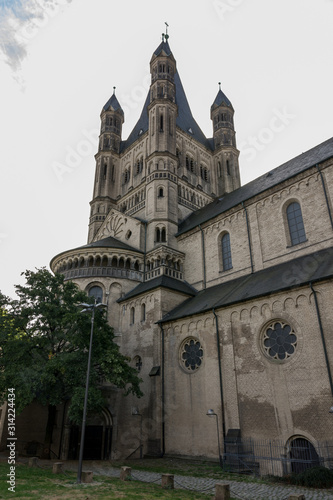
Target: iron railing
274	457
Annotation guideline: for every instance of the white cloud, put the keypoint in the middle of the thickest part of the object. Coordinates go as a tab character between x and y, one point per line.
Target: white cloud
20	22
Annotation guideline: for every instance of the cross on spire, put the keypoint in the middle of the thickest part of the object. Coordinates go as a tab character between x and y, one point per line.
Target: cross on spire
165	35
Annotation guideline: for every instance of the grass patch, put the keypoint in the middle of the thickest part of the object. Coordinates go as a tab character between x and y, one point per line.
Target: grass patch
39	484
183	467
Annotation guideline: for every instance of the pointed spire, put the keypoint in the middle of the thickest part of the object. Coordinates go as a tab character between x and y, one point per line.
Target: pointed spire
221	99
113	103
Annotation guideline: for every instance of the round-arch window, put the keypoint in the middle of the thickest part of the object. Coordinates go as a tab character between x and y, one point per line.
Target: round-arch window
191	354
97	293
279	340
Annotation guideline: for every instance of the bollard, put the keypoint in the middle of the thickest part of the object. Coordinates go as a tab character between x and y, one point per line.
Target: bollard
125	473
222	491
296	497
87	476
32	462
57	468
167	481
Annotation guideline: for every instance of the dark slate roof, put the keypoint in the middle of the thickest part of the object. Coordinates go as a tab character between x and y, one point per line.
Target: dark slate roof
114	104
297	272
184	120
163	46
274	177
161	281
221	99
109	242
140	127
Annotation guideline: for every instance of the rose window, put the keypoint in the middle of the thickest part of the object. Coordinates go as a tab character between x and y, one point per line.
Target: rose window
279	341
191	354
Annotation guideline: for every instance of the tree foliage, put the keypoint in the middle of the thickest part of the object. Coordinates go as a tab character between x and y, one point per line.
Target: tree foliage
44	341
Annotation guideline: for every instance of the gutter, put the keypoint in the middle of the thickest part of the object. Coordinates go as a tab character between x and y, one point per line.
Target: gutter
162	391
322	338
325	193
248	235
203	256
220	379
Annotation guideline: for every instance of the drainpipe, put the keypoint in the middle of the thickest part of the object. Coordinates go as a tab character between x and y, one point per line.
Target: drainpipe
248	234
145	251
325	193
162	391
203	256
322	339
220	377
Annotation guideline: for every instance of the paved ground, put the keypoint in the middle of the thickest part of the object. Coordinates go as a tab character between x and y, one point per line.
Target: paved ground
239	490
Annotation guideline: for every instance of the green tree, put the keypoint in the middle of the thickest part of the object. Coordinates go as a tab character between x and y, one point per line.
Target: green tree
44	342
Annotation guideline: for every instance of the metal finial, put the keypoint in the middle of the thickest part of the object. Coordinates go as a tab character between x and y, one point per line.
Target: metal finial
219	85
166	31
163	35
114	90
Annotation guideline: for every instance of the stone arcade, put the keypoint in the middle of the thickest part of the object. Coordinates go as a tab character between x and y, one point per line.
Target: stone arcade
221	295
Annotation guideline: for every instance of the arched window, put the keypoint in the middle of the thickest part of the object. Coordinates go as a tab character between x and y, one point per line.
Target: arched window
132	313
228	167
97	293
295	223
163	235
158	235
226	252
143	312
161	124
160	193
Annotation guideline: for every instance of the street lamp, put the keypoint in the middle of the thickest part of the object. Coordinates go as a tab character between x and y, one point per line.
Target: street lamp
211	413
330	410
136	413
87	308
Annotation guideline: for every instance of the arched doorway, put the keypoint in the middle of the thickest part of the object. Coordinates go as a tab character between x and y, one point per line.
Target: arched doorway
97	440
302	454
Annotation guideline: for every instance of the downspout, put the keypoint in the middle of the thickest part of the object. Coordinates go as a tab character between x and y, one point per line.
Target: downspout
325	193
162	391
322	338
220	378
248	235
203	256
145	251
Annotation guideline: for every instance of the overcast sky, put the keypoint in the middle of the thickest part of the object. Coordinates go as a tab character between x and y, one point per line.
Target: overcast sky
60	59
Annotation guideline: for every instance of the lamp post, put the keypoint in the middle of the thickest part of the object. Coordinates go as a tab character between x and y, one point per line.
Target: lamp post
211	413
135	412
87	308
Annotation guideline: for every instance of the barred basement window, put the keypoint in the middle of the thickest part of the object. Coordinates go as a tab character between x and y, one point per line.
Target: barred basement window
191	354
279	341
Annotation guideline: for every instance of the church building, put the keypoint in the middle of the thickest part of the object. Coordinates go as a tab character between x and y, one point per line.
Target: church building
220	294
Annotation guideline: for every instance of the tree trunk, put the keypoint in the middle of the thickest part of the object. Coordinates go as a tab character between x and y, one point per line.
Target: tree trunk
52	410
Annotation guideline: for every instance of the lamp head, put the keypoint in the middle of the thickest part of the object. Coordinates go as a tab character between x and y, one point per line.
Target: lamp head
210	413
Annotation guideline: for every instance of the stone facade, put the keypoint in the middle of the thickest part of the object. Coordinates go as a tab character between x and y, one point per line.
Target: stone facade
213	295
